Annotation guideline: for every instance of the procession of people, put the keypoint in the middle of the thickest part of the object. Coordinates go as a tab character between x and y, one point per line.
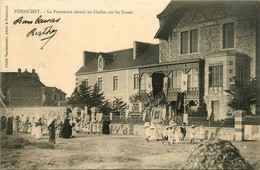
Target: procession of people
71	124
66	126
173	133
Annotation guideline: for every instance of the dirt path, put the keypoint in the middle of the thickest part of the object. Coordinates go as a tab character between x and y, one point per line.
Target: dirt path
109	151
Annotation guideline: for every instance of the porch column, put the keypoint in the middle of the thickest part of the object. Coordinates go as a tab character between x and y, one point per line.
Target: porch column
239	124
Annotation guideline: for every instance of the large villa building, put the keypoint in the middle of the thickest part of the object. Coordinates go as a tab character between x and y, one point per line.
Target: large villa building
202	47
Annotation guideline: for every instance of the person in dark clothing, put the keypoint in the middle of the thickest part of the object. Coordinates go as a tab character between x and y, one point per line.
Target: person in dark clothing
183	131
67	129
9	127
3	123
105	128
26	124
52	129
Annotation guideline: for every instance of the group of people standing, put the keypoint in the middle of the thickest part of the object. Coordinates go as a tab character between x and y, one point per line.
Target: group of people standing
11	124
53	126
173	133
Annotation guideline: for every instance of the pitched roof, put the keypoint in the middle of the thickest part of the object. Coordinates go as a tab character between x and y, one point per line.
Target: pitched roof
49	90
176	10
16	79
27	82
146	54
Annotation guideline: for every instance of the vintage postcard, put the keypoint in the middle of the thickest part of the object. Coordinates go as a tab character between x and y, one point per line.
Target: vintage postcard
129	84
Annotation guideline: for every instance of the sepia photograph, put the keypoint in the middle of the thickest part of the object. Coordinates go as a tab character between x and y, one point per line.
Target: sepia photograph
130	84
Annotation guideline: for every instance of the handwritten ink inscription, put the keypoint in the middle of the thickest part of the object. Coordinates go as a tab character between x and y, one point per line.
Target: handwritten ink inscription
46	34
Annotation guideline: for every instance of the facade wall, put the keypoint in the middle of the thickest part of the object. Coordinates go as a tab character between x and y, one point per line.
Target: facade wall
125	83
26	96
210	42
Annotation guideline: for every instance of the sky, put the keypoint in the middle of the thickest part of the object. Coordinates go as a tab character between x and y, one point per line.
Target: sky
102	26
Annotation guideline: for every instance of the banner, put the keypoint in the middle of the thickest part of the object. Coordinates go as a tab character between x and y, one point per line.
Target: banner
111	116
180	103
140	107
87	118
165	85
184	78
164	113
144	116
209	113
149	87
99	117
127	111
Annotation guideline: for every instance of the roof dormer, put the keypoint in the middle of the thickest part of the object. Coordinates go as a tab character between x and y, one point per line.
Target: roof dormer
101	63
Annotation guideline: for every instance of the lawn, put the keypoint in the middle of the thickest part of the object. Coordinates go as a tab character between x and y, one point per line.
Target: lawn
104	151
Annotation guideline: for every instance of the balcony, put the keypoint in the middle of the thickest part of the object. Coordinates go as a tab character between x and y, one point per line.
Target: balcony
191	93
214	91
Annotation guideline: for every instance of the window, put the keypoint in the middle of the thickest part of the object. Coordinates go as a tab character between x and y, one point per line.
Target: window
193	41
143	82
193	77
136	81
230	71
115	82
228	35
176	78
230	62
189	41
100	83
55	97
100	63
156	114
184	42
216	76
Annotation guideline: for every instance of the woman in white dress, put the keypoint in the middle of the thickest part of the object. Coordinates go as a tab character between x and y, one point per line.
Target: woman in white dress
176	134
94	127
99	127
32	128
38	129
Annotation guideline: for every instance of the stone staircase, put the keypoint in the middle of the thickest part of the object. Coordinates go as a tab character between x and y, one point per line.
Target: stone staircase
150	101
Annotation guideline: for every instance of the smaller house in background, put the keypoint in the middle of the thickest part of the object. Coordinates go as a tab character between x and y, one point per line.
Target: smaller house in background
24	89
54	97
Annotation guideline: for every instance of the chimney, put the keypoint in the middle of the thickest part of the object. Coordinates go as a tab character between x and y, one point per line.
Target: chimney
33	70
134	50
19	70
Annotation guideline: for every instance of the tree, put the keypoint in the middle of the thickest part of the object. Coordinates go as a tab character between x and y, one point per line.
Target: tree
135	98
81	96
242	95
97	97
119	105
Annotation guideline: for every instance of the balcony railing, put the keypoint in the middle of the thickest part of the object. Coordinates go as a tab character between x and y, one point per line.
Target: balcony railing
191	92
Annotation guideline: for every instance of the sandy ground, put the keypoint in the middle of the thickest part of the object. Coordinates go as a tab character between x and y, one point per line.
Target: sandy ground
110	151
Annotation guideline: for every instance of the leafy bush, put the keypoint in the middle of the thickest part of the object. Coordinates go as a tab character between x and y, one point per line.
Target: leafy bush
200	112
243	95
216	154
